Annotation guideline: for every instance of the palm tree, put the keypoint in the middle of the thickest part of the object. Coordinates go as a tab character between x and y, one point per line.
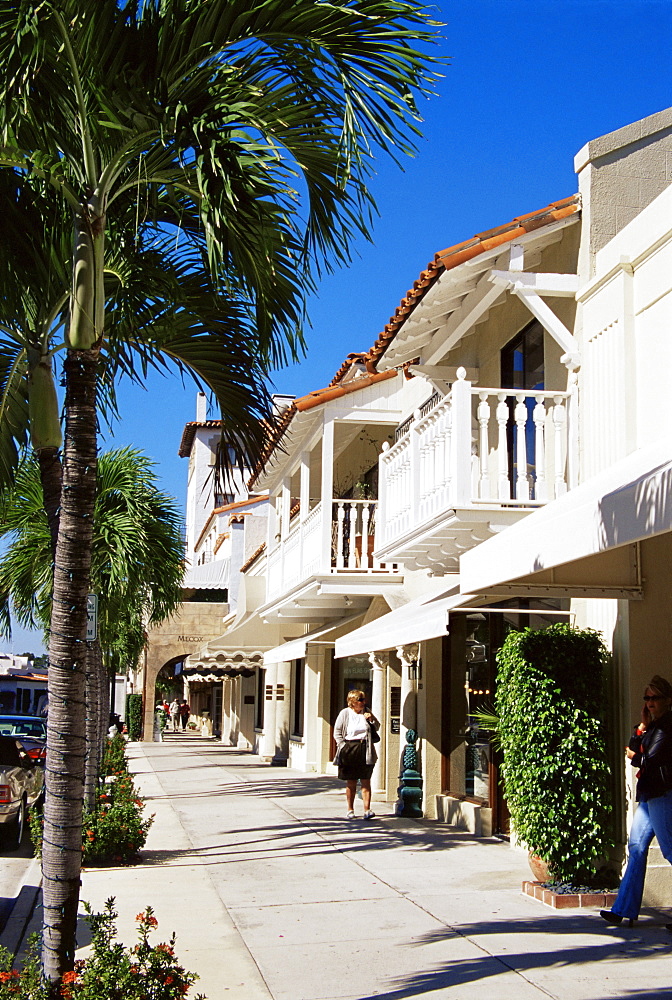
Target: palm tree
137	569
248	127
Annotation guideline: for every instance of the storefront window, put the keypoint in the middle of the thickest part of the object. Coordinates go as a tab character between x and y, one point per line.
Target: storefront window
298	670
470	763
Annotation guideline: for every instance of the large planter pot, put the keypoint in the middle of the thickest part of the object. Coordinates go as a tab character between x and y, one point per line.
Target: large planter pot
538	867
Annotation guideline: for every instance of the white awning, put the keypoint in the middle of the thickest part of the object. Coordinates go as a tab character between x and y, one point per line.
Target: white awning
582	544
241	647
424	618
248	632
211	576
295	649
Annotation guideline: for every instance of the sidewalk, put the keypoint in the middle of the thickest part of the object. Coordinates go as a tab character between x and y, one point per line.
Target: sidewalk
274	894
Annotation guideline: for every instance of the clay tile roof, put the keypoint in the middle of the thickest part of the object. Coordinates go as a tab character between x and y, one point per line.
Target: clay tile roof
444	260
451	257
255	555
309	402
189	433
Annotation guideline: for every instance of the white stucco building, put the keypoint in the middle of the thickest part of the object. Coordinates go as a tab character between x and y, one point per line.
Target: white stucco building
500	456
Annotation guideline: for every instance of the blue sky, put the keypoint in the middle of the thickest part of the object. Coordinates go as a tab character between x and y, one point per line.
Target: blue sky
529	83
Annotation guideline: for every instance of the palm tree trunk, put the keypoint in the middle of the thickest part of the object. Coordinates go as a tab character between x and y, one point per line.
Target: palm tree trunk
104	704
93	723
51	475
66	743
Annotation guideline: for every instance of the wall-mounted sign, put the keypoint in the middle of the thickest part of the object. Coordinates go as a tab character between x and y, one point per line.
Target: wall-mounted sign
91	617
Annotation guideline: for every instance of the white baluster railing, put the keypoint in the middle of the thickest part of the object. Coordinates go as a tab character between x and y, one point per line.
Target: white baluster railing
510	448
354	526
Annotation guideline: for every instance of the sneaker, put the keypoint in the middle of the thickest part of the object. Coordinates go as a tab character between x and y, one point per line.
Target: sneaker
350	815
368	814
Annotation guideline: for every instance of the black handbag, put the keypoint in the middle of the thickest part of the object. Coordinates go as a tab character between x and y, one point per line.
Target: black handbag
375	737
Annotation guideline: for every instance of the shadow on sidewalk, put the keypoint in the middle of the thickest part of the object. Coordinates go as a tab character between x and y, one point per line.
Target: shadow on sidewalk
470	971
651	941
335	836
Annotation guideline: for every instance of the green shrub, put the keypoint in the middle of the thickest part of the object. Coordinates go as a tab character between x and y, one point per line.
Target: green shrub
134	716
114	756
550	700
111	971
115	830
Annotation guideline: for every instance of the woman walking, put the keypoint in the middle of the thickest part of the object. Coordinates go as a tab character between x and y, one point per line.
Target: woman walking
355	731
650	750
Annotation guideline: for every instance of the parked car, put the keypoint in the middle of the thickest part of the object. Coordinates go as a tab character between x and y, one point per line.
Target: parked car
21	788
30	730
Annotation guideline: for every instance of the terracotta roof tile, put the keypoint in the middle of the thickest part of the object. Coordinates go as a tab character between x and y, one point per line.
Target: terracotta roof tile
309	402
444	260
255	555
451	257
189	433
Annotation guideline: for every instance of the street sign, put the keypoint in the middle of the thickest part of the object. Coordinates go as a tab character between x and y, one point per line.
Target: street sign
91	617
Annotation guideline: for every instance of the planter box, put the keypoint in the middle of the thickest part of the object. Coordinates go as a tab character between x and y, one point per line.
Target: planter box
567	900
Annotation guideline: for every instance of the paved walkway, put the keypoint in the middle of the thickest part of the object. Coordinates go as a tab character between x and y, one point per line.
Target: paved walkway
274	894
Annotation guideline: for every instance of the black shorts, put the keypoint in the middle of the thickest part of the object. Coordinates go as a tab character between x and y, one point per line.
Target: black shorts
352	761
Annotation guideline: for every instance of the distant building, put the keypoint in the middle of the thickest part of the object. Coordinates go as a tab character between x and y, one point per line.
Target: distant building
23	689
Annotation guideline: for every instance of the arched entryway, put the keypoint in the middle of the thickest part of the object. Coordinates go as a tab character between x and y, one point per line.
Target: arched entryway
195	624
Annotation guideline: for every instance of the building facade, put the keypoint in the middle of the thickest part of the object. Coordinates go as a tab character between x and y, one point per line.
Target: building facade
499	458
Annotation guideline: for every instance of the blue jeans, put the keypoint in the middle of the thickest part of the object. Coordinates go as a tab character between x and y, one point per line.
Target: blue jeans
652	818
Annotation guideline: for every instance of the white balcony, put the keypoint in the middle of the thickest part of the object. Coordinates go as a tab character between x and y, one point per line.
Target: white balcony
327	559
467	465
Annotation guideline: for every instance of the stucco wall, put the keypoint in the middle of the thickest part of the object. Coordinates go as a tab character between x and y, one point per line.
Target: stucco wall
185	632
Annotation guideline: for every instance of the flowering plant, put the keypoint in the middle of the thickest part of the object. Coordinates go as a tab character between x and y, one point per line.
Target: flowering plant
143	972
114	830
114	756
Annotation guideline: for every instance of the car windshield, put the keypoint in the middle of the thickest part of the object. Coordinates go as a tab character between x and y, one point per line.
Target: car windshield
33	728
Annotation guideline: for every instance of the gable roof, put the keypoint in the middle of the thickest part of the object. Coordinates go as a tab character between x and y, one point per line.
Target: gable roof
444	260
451	257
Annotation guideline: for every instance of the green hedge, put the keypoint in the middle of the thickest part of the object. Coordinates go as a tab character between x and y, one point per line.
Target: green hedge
550	701
134	716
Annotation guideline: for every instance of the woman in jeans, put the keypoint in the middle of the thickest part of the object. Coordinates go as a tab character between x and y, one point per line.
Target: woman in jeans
355	753
650	750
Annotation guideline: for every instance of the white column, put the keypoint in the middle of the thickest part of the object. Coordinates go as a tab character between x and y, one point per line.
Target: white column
460	455
327	494
286	506
268	739
304	501
281	699
379	664
572	424
234	685
408	657
226	711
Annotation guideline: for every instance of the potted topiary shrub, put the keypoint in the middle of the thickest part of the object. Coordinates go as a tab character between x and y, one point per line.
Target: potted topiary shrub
550	702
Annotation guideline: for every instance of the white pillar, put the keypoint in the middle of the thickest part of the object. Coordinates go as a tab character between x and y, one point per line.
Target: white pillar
234	686
408	657
226	711
327	494
268	739
304	502
286	506
281	699
379	664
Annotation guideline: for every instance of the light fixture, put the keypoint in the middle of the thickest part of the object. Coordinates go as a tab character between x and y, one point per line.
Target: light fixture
348	602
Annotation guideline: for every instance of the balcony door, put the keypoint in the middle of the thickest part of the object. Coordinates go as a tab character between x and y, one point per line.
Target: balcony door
522	368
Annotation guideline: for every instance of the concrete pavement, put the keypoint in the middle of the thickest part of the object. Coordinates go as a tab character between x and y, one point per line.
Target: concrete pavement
272	893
